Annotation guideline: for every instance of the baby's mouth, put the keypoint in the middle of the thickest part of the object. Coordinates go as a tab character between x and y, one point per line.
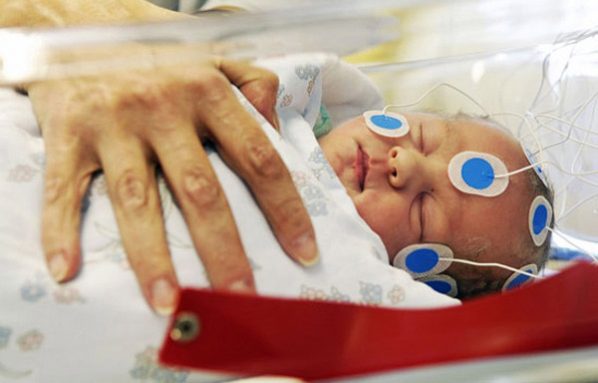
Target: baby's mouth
361	166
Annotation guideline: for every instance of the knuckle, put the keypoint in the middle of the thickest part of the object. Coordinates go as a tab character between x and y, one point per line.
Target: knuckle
131	190
93	100
201	190
141	95
264	159
211	87
68	187
98	100
55	187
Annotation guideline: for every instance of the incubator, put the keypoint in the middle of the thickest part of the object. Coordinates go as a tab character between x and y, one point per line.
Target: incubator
543	88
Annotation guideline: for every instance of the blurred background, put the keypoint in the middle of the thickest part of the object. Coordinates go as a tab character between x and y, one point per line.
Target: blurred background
440	28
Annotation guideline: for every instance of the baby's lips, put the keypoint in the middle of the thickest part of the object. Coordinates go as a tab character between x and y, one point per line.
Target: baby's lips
366	167
358	168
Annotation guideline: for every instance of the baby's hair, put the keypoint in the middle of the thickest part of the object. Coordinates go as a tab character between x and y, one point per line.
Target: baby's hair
483	280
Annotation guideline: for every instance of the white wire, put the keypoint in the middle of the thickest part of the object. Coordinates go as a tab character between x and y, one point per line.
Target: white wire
542	149
585	141
534	136
557	166
489	264
434	88
557	118
570	131
521	170
578	204
582	250
572	139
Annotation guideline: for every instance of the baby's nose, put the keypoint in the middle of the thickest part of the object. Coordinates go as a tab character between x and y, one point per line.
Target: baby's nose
402	165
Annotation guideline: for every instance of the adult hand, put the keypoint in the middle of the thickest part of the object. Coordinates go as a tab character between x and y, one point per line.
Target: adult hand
127	123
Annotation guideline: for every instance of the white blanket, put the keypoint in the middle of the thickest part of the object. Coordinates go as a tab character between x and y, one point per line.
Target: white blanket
98	328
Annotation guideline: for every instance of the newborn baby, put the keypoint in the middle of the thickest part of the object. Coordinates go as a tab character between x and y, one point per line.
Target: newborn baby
401	188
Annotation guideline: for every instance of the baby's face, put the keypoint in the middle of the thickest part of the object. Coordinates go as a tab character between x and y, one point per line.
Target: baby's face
400	186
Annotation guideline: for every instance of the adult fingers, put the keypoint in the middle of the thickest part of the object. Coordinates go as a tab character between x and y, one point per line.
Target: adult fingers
246	148
259	85
65	185
206	211
133	191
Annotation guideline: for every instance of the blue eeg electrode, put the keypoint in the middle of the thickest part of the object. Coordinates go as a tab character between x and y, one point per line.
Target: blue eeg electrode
441	283
517	279
540	217
477	173
423	259
534	160
386	124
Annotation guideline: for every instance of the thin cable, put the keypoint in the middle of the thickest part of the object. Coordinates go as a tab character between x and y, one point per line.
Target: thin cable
557	166
578	204
534	136
556	118
434	88
489	264
584	143
570	123
582	250
521	170
572	139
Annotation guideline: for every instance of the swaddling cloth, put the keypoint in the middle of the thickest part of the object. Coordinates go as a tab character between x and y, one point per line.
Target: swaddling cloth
98	328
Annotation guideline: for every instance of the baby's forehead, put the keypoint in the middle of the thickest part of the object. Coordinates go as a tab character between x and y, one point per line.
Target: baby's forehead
481	122
498	139
494	145
459	118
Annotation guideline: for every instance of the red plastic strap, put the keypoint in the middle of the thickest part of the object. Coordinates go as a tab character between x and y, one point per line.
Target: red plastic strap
313	340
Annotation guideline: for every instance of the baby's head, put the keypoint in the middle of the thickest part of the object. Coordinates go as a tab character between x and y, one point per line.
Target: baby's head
400	187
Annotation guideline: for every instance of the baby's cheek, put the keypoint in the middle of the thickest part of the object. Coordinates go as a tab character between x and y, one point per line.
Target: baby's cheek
390	222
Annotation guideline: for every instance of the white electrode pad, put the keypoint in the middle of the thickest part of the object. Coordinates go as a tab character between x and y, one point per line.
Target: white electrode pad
540	216
518	279
441	283
476	173
386	124
423	259
533	160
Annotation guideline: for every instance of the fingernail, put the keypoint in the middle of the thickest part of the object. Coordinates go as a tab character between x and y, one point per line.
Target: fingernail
242	286
58	267
163	296
306	250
